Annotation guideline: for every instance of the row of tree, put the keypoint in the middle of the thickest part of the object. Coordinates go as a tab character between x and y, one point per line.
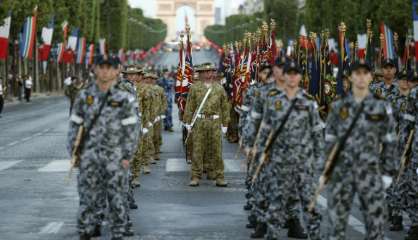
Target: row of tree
317	15
123	27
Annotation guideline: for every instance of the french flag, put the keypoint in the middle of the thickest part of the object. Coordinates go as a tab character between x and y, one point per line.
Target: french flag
102	46
60	52
4	38
362	45
90	55
415	17
81	51
27	43
388	48
72	40
45	48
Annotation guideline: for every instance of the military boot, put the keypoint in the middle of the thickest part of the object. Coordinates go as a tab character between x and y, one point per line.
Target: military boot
194	182
252	222
248	206
412	233
211	175
133	205
147	170
260	230
221	183
85	237
96	232
136	183
396	224
296	230
128	232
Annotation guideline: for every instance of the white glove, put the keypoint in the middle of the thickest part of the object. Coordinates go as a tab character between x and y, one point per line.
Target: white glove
387	181
145	131
188	127
149	124
67	81
163	117
224	129
157	119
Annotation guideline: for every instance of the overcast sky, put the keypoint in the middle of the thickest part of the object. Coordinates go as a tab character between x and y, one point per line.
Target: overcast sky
149	5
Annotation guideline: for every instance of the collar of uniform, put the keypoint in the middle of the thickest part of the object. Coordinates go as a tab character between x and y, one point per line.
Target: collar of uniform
350	98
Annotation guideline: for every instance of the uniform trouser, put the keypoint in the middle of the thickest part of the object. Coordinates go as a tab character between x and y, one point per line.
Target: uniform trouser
129	196
207	143
1	103
410	193
369	188
287	185
232	132
148	149
168	121
102	181
156	139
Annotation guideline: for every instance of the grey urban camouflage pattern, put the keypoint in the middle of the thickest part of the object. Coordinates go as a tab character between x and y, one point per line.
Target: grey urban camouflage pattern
112	139
361	164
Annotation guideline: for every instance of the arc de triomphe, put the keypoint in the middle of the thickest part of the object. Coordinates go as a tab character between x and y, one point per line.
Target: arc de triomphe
204	15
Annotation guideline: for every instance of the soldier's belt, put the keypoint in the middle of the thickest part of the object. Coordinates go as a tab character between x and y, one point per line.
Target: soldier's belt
208	117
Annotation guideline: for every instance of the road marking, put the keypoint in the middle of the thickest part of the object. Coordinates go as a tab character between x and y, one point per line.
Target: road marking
8	164
56	166
356	224
51	228
180	165
26	139
13	143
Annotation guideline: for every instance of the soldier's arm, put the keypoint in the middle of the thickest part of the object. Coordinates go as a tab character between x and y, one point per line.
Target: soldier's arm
388	140
318	139
76	120
164	103
130	129
253	122
331	136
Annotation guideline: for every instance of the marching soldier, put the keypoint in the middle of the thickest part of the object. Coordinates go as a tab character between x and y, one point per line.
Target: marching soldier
73	85
410	187
167	83
109	118
365	162
160	106
394	192
388	88
295	129
207	112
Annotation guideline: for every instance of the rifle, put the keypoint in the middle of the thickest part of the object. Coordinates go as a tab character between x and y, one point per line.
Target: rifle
405	154
270	140
75	155
333	158
196	114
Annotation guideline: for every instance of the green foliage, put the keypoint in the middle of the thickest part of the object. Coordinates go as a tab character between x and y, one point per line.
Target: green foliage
95	19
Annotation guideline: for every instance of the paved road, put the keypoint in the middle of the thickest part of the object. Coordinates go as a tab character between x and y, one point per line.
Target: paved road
37	203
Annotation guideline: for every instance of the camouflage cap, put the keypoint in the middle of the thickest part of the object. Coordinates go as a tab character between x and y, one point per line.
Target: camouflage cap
132	69
205	67
150	75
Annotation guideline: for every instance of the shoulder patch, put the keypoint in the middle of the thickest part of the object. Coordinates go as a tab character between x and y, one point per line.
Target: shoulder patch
114	103
89	100
257	93
273	92
344	113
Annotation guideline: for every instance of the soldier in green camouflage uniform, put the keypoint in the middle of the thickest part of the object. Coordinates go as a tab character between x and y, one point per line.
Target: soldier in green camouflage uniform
72	89
207	139
367	161
107	149
160	105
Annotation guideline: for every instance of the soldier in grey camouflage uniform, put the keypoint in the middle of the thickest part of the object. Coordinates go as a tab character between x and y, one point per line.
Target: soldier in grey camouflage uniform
388	88
366	163
410	190
395	193
293	156
106	151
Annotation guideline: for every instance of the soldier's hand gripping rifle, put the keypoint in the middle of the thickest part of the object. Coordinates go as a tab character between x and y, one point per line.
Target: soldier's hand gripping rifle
333	158
196	114
270	140
405	154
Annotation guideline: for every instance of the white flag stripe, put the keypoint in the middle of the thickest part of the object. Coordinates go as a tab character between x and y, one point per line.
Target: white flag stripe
56	166
362	41
5	28
8	164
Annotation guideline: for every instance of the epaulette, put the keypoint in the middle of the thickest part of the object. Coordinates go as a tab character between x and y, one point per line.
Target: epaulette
378	96
273	92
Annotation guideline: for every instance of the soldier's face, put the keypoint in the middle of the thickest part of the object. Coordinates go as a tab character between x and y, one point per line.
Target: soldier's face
263	74
389	72
278	73
207	75
361	78
292	79
131	77
403	84
106	73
